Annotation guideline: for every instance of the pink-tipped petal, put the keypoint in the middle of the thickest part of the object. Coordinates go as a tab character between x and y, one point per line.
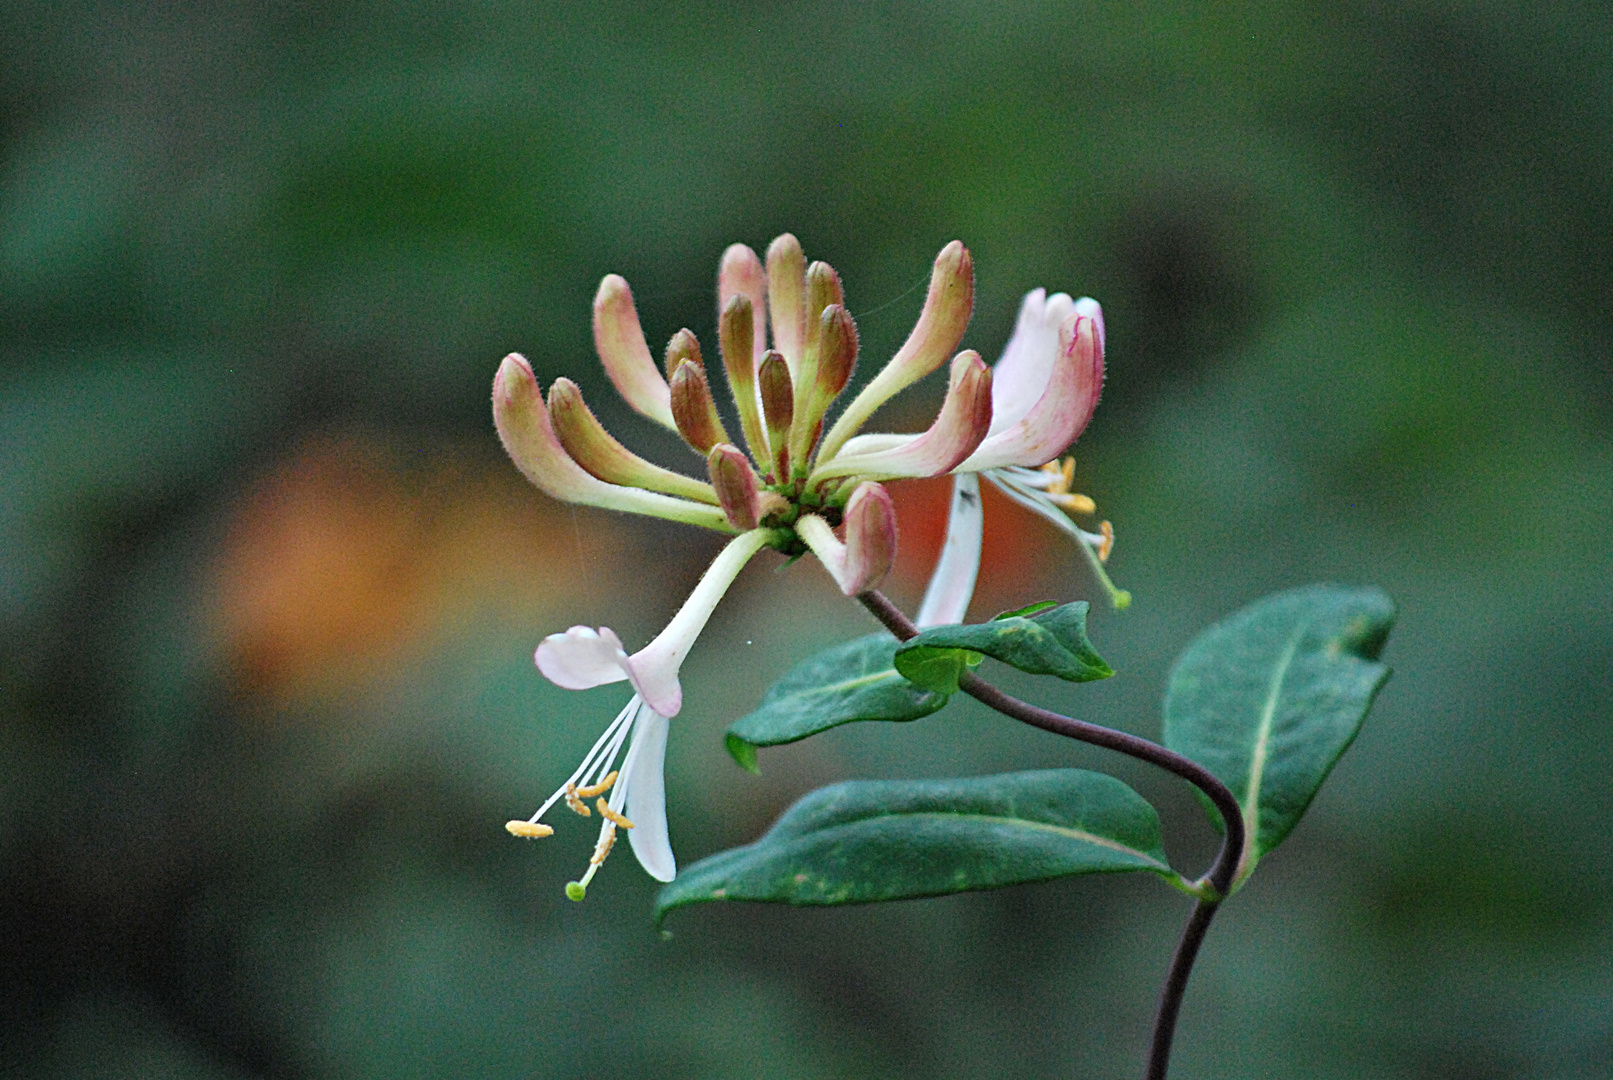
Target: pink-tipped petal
964	419
1063	411
582	658
619	340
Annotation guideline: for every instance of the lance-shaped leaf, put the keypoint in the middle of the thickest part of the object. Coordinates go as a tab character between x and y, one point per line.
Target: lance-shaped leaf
1268	698
868	840
840	685
1038	640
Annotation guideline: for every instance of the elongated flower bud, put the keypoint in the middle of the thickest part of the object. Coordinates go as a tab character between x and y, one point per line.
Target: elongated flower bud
822	289
694	409
828	367
523	426
741	274
940	327
594	448
737	486
619	340
734	339
962	424
778	409
786	298
683	346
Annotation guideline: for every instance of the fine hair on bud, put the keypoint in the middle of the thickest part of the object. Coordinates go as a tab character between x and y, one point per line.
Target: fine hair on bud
822	289
693	408
837	349
683	346
735	483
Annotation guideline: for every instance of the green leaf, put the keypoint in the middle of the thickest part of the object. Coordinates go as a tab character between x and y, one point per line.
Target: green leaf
868	840
1049	642
840	685
1270	697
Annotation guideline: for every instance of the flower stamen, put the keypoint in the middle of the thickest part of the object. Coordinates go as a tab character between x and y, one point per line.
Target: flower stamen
577	805
530	830
598	789
605	811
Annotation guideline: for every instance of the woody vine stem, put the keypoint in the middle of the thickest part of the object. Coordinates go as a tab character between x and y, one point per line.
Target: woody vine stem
1217	883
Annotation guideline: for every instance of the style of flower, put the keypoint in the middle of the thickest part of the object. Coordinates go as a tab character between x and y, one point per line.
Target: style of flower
793	487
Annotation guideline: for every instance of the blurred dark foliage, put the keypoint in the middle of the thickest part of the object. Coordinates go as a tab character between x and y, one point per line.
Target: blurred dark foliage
268	590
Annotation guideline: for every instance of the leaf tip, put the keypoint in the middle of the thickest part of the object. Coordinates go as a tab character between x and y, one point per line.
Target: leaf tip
743	753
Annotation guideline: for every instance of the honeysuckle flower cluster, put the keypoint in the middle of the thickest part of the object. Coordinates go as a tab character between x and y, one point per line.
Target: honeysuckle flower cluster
785	483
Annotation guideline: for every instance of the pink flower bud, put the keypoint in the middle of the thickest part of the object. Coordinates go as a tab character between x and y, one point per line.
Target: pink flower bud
734	337
870	538
683	346
786	298
740	274
963	422
619	341
778	409
596	450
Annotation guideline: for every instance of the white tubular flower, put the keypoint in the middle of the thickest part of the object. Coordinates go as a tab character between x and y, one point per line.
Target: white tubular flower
952	584
584	657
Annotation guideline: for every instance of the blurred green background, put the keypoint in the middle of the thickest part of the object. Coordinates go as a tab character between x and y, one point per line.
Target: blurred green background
269	590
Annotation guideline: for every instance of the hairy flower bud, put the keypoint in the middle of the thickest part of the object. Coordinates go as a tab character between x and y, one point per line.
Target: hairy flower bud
870	538
737	486
734	336
683	346
694	409
822	289
594	448
740	274
778	409
837	350
786	298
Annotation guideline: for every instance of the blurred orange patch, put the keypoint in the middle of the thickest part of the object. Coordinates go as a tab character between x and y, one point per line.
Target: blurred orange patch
340	562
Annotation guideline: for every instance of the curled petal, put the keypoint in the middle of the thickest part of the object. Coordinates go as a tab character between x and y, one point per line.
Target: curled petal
1063	410
946	313
952	585
964	419
644	774
1021	376
522	419
582	658
619	340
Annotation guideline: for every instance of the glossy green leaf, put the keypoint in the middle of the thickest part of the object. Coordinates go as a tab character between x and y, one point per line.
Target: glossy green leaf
1268	698
840	685
1048	642
869	840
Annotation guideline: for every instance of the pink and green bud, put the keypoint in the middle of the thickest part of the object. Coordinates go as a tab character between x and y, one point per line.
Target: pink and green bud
959	428
694	409
786	298
822	289
740	274
596	450
734	337
522	419
778	409
864	558
828	367
683	346
946	313
619	340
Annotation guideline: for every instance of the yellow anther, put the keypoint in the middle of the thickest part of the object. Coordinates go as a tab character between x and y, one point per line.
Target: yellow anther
1108	544
597	789
616	819
576	804
1067	471
1075	503
607	838
531	830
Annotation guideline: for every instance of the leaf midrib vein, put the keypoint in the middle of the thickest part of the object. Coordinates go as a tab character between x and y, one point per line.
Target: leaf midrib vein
1062	830
1268	716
